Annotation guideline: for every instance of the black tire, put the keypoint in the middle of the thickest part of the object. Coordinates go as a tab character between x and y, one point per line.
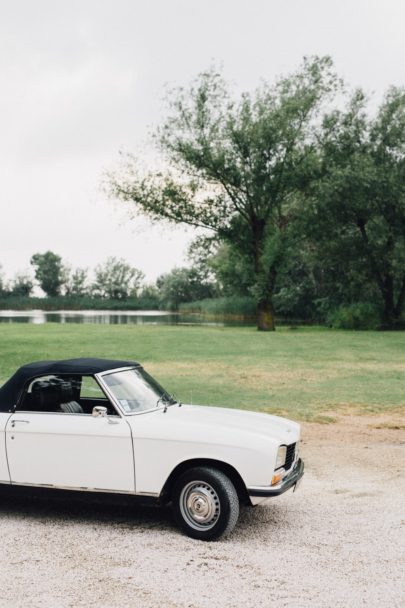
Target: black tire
205	503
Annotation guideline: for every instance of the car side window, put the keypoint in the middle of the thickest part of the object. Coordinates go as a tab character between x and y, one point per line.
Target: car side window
90	389
51	394
64	395
91	395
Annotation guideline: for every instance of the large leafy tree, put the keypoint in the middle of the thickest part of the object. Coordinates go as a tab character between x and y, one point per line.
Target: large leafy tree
49	272
358	214
116	279
236	168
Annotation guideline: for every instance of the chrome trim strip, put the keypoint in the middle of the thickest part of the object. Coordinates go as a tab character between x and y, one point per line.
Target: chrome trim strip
117	369
60	414
74	489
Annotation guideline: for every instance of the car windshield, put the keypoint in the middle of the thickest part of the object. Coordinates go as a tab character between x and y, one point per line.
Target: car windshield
136	391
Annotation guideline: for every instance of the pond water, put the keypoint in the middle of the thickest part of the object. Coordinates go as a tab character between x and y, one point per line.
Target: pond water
110	317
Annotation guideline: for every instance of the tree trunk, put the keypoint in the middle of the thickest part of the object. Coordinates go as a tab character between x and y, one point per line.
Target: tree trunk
266	276
389	320
400	302
392	313
265	316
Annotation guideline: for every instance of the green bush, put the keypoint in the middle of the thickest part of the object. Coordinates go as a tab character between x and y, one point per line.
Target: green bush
238	306
361	315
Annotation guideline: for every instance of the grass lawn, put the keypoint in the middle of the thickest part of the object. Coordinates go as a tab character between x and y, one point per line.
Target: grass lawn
305	373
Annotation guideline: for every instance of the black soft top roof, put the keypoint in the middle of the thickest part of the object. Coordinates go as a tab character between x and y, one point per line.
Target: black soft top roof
10	391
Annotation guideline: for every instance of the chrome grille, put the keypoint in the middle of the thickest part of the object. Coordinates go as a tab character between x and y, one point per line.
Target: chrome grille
289	460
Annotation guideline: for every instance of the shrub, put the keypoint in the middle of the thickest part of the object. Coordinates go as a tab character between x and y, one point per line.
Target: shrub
361	315
240	306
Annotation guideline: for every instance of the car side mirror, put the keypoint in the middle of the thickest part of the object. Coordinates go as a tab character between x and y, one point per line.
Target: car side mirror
99	410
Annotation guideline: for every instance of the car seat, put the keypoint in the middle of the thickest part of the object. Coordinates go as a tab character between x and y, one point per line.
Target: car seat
67	403
45	396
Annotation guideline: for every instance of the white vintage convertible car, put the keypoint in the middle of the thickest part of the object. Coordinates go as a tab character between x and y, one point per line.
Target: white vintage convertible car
101	426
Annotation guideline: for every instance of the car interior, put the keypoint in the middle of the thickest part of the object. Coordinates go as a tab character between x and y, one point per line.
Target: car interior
62	394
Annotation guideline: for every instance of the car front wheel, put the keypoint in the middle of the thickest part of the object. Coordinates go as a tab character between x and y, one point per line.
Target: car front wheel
205	503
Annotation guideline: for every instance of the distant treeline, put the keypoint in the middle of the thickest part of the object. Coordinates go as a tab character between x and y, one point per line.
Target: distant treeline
216	284
10	302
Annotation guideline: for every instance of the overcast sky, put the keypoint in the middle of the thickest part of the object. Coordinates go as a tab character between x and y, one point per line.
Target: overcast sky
81	80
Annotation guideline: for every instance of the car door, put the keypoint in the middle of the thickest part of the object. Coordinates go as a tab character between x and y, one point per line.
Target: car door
68	450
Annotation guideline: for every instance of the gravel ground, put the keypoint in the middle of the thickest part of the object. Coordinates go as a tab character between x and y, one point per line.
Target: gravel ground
338	541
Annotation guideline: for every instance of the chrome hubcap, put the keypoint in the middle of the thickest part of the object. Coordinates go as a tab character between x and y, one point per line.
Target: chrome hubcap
199	505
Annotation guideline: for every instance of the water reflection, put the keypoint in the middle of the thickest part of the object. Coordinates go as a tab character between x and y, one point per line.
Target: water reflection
109	317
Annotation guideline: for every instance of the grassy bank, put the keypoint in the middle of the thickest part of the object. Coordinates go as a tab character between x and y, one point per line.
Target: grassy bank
304	373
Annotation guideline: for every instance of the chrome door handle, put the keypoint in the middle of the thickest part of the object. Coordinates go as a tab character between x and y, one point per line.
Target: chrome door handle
14	422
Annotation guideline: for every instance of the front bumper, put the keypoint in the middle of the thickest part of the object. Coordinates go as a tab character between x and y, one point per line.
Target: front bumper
291	480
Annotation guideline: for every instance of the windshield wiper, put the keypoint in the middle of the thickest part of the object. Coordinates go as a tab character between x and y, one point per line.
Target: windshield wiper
166	399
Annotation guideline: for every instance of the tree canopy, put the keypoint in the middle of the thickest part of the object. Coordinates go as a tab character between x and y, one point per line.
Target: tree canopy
116	279
183	285
49	272
236	168
357	214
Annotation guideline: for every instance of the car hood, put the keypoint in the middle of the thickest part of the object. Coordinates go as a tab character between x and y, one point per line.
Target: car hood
276	427
212	423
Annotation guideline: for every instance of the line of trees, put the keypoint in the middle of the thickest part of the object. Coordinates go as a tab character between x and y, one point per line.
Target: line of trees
114	279
300	187
217	281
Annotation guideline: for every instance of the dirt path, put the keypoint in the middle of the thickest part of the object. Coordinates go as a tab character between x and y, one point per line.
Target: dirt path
339	541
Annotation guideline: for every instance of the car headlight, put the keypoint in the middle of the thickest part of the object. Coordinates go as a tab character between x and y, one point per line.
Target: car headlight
281	456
